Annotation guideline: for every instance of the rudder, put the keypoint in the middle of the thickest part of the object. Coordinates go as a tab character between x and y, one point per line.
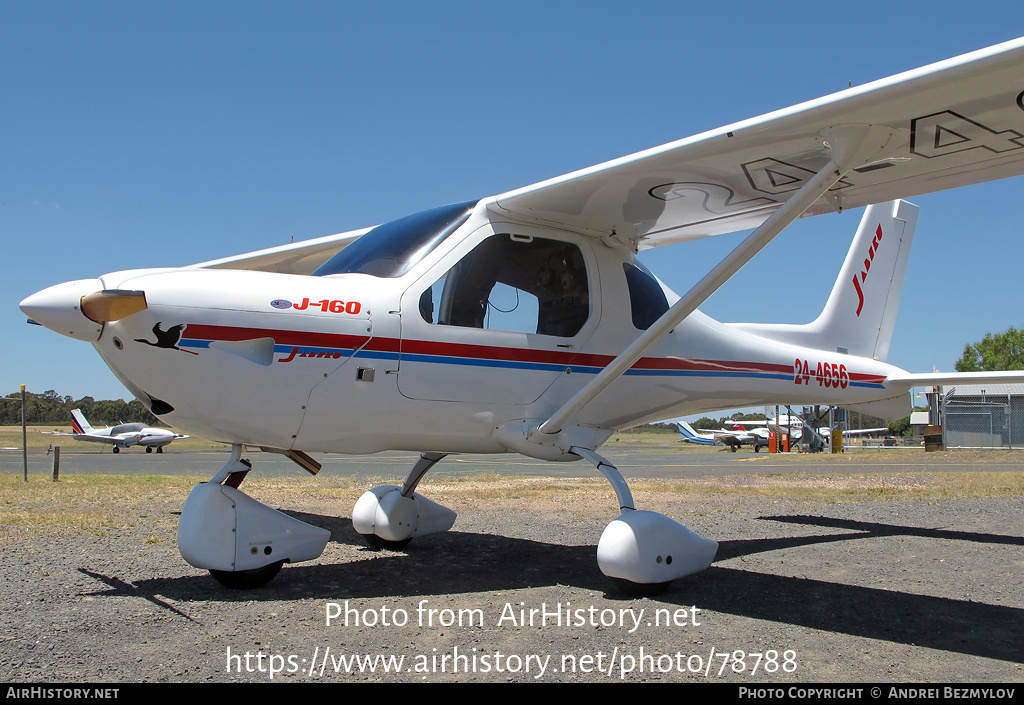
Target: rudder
79	424
860	313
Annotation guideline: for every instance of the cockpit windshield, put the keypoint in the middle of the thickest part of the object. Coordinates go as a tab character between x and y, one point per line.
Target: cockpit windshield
392	249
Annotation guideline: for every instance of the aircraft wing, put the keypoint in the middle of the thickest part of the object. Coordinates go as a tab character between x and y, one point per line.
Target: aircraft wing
721	432
113	440
864	431
298	258
731	438
957	122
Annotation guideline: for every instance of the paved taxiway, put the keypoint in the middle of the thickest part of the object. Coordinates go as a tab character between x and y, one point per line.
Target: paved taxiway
633	460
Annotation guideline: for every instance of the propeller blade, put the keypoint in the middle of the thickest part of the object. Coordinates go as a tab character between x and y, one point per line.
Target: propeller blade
113	304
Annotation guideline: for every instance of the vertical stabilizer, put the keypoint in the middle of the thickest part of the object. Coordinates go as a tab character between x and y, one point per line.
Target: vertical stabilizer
689	434
79	424
860	313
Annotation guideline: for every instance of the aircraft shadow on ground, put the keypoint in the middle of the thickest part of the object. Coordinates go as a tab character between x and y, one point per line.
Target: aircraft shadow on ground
463	563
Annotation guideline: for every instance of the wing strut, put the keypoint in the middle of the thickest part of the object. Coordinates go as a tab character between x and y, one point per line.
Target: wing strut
851	146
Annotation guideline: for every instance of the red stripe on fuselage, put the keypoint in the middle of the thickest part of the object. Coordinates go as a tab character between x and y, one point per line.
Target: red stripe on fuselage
488	352
281	337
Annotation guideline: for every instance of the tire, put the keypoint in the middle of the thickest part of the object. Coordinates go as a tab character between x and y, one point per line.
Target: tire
247	579
632	589
378	544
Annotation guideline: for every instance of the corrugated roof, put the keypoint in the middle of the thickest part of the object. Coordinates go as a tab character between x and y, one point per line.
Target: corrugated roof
970	390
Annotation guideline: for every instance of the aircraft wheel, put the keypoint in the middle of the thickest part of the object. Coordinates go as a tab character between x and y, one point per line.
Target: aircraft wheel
247	579
632	589
732	448
757	448
116	449
378	544
149	449
159	449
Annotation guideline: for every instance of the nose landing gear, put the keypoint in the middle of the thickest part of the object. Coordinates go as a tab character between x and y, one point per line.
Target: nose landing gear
242	542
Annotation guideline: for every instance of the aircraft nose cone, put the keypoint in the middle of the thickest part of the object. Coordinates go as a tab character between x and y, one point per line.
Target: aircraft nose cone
59	308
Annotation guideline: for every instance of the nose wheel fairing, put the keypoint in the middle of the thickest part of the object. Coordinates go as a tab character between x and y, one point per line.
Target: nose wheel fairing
224	529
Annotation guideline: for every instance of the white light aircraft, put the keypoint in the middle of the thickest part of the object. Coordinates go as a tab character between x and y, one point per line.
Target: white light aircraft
733	439
522	322
123	435
794	425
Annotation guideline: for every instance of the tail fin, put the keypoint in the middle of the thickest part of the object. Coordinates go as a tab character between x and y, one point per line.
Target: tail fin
860	313
79	424
689	434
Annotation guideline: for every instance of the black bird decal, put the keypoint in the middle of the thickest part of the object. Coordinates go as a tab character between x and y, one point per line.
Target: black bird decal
167	338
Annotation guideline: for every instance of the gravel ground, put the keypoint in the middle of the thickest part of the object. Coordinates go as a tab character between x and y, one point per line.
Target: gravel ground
840	592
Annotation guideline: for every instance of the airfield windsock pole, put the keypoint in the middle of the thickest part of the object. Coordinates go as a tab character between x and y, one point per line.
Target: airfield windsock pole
24	435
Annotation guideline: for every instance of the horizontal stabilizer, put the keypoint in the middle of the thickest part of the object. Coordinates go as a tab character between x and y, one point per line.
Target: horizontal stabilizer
929	379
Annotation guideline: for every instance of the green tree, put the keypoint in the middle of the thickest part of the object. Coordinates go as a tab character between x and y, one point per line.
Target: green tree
1003	351
50	407
901	428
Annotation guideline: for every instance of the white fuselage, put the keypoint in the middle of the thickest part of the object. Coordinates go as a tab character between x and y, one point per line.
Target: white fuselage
348	363
146	437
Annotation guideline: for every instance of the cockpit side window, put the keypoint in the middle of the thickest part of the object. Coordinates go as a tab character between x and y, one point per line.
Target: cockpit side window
513	283
392	249
647	299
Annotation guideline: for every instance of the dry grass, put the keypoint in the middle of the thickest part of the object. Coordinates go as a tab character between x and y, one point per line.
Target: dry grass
100	503
94	503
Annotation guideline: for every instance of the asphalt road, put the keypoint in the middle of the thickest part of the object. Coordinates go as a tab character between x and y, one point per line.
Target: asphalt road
668	461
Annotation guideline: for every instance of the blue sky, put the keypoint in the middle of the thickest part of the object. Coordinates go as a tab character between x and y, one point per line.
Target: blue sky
142	134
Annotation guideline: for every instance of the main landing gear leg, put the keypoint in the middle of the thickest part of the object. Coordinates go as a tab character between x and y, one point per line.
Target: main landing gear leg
241	542
389	516
642	551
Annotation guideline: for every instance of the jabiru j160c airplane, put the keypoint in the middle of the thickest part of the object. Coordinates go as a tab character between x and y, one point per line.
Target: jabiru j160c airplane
523	322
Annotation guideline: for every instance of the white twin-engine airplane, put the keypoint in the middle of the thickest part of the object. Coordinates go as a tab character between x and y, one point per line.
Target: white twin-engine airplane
522	322
733	439
123	435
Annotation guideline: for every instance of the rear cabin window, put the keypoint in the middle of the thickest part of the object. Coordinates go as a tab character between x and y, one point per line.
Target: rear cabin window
646	297
513	283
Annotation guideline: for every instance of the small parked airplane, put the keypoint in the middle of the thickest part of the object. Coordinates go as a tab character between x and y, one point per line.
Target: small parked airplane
123	435
392	338
733	439
794	426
